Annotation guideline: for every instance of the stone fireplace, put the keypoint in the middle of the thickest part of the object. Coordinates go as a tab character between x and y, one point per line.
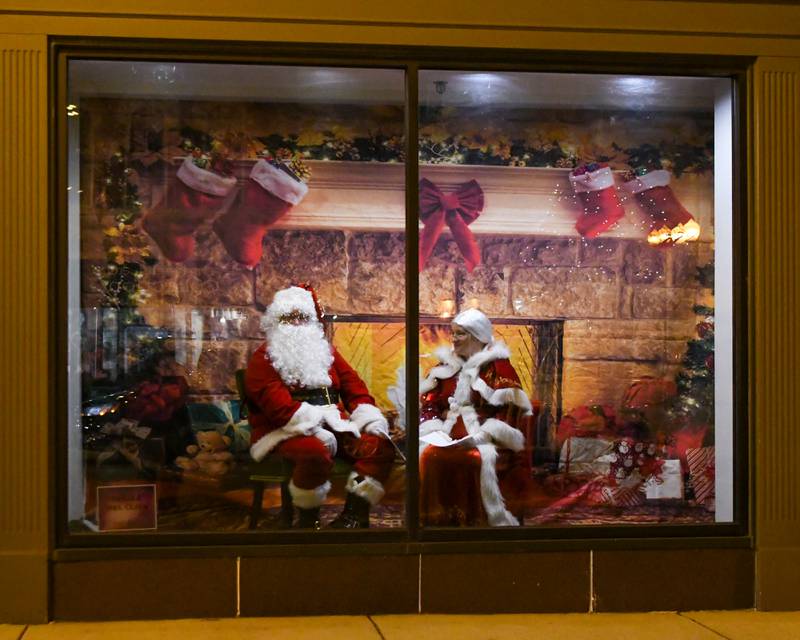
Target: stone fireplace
624	310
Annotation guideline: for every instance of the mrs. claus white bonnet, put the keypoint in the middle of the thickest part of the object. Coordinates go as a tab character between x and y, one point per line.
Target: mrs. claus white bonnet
477	324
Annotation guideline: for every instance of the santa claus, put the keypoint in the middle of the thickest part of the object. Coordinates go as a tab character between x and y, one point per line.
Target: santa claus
308	405
472	471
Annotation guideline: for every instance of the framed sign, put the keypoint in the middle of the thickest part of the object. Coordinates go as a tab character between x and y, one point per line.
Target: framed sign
131	507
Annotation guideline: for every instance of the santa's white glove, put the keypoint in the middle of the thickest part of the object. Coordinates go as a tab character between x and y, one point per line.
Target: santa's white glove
326	438
378	428
482	437
369	419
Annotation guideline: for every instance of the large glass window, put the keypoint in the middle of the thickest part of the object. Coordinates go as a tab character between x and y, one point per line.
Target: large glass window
227	225
600	205
236	299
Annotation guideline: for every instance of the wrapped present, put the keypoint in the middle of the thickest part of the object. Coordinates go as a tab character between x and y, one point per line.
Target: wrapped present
223	416
667	484
689	437
628	456
628	493
701	472
585	455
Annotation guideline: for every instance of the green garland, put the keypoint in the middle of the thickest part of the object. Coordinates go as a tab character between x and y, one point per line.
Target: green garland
127	251
475	149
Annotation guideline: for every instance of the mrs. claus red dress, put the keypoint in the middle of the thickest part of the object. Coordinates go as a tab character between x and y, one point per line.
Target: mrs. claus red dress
483	481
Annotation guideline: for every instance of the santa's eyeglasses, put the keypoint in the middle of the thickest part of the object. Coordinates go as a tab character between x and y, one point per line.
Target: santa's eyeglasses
293	317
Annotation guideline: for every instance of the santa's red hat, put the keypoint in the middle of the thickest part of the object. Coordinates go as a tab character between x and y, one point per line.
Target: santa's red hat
320	311
300	298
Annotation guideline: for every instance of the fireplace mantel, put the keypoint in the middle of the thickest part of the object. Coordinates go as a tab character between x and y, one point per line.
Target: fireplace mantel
370	196
362	196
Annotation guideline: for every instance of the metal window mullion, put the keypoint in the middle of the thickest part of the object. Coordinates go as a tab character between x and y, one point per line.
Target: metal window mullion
412	300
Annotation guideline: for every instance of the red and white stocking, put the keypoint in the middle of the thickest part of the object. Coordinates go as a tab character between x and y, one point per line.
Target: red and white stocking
269	194
594	186
195	196
670	222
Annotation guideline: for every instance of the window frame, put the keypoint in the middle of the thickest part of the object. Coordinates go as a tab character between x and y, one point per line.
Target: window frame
412	538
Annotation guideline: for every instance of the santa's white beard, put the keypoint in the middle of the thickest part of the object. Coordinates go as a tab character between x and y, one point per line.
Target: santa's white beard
300	354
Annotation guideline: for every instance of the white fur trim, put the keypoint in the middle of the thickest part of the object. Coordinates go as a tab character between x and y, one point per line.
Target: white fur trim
491	352
471	369
368	418
203	180
469	416
309	498
278	182
291	299
602	178
659	178
302	423
504	434
441	372
450	365
449	358
369	488
493	502
429	426
500	397
328	439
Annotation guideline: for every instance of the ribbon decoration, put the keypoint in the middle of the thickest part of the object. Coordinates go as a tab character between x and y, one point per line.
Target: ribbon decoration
457	210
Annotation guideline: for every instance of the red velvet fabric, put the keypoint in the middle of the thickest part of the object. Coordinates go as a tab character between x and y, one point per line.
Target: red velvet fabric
242	229
270	401
663	207
272	406
312	462
173	221
457	210
450	477
601	209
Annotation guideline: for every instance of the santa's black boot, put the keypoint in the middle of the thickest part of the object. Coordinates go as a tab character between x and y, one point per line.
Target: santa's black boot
307	518
287	507
355	514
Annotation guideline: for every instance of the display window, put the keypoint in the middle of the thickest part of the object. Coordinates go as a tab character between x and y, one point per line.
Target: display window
220	253
240	324
602	205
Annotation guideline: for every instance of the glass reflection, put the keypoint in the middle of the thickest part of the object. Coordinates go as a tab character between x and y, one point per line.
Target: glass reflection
585	208
206	192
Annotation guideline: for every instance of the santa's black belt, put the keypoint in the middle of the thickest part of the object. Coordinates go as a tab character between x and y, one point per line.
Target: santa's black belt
319	396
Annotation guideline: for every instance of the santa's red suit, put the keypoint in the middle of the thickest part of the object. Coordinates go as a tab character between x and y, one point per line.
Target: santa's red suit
306	424
485	481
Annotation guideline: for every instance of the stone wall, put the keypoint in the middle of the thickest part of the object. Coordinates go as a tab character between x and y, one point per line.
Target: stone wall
627	307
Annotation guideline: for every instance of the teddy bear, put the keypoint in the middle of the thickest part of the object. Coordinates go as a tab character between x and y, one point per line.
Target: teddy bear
209	456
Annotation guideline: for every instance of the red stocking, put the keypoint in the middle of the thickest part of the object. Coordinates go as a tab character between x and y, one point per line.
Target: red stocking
670	222
195	196
269	194
594	185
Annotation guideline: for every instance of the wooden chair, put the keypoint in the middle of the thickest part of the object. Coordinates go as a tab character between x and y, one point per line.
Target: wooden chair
273	469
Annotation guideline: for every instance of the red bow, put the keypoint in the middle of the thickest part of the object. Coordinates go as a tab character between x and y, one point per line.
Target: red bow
456	210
